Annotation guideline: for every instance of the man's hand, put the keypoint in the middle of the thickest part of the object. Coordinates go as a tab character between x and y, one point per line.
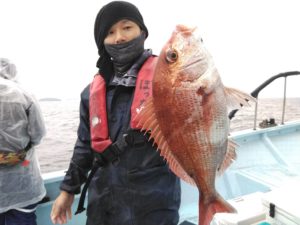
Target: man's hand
61	209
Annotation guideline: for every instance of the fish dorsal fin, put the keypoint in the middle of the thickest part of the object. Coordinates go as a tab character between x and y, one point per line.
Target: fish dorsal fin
147	120
236	99
230	156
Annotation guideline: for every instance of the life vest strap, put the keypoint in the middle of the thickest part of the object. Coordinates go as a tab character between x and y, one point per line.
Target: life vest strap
80	207
111	154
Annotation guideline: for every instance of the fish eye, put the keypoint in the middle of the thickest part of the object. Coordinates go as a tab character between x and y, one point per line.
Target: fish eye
171	55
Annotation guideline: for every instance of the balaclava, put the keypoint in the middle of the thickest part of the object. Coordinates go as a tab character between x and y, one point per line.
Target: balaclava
106	18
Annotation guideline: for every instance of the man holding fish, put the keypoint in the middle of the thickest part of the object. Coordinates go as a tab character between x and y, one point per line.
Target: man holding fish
141	111
133	184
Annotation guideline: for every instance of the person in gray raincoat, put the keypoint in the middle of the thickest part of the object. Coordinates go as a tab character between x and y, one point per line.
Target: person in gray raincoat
134	185
21	128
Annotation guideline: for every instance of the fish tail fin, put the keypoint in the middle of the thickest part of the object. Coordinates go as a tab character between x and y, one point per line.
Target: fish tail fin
207	209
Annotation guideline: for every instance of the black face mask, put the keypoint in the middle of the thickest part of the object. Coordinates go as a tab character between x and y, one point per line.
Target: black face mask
123	55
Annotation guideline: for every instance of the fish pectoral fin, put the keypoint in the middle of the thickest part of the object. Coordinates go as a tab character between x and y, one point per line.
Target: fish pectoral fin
230	156
147	121
236	99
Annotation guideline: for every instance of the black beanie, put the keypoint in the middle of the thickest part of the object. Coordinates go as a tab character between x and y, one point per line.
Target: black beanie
111	14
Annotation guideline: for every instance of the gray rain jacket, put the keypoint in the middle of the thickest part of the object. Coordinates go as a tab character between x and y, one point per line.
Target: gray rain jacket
20	122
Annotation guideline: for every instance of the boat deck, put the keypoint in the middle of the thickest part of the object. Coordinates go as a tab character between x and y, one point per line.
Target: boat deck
266	159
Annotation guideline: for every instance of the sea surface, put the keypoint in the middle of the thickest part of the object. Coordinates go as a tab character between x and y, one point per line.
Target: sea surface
62	118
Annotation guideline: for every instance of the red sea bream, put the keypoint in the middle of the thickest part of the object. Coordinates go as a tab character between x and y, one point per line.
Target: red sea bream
187	117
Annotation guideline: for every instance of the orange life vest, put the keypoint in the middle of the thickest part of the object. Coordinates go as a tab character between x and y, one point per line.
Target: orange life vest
100	139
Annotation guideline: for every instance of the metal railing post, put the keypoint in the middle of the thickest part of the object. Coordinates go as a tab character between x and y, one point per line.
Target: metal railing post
284	101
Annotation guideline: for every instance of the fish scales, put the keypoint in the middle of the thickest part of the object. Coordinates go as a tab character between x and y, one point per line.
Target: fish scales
189	117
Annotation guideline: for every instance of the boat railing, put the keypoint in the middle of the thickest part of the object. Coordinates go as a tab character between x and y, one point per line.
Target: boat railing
256	92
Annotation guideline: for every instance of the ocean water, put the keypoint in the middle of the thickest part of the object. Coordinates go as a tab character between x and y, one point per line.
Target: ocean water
62	118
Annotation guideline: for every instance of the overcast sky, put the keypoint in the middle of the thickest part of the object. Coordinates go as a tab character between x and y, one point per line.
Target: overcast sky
52	41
